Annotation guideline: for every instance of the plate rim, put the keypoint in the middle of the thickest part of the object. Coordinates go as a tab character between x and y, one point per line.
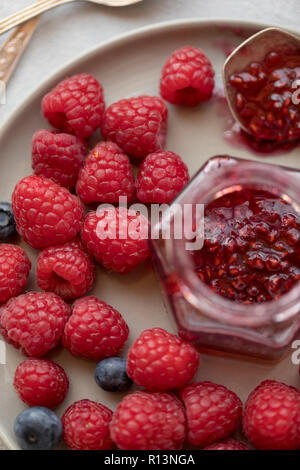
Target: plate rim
137	33
119	39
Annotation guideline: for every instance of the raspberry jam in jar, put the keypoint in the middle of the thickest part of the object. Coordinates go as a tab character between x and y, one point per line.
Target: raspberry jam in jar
251	249
266	96
240	291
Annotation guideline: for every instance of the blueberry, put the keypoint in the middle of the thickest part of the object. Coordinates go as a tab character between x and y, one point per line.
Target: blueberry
7	221
110	374
38	428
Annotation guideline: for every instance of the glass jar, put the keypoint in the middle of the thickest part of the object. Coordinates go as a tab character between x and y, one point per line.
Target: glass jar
203	317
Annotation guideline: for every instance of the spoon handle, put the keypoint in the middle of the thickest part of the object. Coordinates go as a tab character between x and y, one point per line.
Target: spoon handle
12	50
28	13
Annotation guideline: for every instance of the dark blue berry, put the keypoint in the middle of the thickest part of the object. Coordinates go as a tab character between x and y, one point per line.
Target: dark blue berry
38	428
7	221
110	374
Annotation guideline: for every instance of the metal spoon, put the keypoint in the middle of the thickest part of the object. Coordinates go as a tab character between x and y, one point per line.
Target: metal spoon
44	5
254	49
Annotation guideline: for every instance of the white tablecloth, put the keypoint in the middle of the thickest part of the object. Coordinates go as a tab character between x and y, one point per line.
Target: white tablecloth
70	30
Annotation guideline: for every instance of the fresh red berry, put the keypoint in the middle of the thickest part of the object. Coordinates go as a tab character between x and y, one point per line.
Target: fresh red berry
41	382
76	105
149	421
187	77
46	214
228	444
14	271
213	412
251	249
86	426
271	419
3	331
117	237
161	176
67	270
34	322
107	175
95	330
138	125
58	156
265	96
160	361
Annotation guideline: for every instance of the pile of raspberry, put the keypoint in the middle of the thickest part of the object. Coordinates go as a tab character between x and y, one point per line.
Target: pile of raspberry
169	408
48	208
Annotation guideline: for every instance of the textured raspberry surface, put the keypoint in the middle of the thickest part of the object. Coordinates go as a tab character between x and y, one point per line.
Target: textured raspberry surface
95	330
34	322
67	270
107	175
14	271
58	156
149	421
86	426
76	105
160	361
187	77
117	238
138	125
271	419
161	176
46	214
228	444
41	382
213	412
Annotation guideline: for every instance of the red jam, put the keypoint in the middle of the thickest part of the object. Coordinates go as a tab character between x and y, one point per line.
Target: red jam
266	96
251	251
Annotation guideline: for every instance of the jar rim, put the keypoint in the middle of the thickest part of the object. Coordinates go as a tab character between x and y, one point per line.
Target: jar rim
201	296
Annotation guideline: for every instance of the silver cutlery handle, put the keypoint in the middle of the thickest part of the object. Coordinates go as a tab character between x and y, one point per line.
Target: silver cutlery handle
12	49
28	13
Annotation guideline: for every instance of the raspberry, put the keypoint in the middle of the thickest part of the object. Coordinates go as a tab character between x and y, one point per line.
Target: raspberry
86	426
161	176
58	156
76	105
95	330
264	96
149	421
271	419
160	361
138	125
228	444
14	271
251	249
213	412
34	322
107	175
67	270
40	382
187	77
46	214
117	238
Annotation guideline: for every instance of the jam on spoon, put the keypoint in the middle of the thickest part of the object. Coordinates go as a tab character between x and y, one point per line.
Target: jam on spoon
265	96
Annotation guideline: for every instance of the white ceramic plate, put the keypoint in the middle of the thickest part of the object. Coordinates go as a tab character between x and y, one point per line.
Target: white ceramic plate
128	66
